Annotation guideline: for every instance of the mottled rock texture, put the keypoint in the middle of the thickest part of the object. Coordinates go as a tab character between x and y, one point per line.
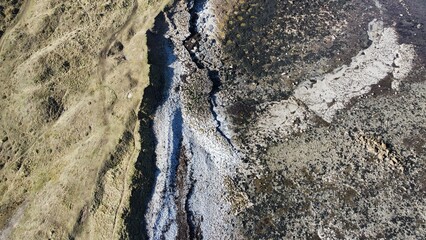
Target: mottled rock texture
260	119
322	97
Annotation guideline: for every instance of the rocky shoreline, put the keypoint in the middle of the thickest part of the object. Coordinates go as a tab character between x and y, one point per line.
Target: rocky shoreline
187	144
229	119
227	128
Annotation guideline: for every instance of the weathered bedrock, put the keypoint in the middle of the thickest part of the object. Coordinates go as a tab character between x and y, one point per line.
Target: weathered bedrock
290	119
322	99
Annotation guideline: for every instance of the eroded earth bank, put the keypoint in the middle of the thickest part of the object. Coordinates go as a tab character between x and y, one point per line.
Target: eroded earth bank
212	119
287	119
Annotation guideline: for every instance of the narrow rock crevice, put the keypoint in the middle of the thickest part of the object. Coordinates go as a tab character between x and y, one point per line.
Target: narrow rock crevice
165	182
181	194
187	224
192	41
215	78
193	224
191	44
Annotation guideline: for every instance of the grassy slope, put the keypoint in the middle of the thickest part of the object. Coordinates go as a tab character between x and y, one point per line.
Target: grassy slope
71	79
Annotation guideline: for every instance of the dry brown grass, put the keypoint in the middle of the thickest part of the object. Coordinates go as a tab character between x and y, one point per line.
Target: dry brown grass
67	70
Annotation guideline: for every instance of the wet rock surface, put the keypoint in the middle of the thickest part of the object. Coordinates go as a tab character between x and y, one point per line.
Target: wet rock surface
353	179
308	175
300	119
189	148
275	45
